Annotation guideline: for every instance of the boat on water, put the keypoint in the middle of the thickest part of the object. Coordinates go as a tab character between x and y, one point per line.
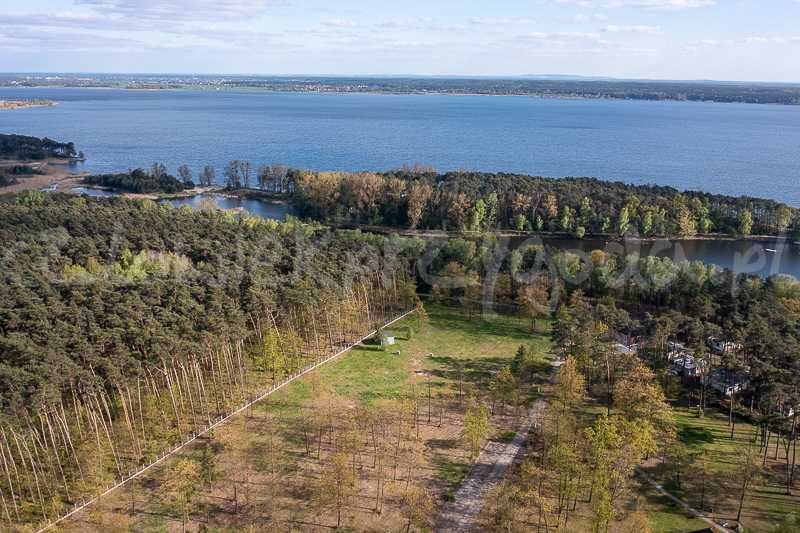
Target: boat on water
770	250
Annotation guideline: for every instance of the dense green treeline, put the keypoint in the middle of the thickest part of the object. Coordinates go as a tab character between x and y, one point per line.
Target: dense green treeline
25	148
650	298
100	285
421	198
91	289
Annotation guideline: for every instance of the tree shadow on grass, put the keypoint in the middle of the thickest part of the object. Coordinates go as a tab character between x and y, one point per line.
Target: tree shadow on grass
659	503
441	444
471	370
539	372
694	436
503	326
452	472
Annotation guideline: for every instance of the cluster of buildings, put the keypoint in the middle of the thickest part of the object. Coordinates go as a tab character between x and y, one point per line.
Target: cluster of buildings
684	363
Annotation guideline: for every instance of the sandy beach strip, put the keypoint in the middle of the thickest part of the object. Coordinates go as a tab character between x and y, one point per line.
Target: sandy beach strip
55	172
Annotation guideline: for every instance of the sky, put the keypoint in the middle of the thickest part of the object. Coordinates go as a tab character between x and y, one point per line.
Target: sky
747	40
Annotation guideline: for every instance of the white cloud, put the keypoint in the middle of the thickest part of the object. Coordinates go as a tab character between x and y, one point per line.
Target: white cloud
170	10
749	39
93	31
632	29
670	5
582	18
711	43
777	39
406	23
339	23
500	21
56	19
562	35
67	40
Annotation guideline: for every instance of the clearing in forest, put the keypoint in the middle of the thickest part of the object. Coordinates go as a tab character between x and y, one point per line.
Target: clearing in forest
372	441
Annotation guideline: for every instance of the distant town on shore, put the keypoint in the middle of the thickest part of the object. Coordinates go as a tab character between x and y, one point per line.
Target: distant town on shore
534	86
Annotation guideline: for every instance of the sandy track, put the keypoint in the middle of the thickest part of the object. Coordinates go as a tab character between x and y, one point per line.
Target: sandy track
54	173
459	515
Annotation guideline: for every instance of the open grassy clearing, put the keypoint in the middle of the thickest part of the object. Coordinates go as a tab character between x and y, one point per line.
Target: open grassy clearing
271	466
663	514
766	502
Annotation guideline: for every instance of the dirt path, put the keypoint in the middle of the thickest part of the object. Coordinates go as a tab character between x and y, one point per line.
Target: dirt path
459	515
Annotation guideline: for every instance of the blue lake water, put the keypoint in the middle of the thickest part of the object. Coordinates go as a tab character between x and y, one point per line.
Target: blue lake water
87	191
723	148
261	208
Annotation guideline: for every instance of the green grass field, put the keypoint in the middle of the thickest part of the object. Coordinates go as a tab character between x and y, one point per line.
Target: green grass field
766	503
449	344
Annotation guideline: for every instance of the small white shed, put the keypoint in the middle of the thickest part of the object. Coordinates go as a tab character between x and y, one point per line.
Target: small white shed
388	341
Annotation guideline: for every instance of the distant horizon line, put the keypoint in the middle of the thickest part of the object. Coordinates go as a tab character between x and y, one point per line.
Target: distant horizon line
540	77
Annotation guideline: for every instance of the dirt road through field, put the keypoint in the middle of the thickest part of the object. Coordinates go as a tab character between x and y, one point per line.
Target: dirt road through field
459	515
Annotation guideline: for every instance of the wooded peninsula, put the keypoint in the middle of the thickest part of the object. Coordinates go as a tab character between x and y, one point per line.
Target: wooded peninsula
422	199
26	148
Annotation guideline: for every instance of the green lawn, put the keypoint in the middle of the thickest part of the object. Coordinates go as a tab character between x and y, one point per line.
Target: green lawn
664	515
766	503
450	344
711	434
450	349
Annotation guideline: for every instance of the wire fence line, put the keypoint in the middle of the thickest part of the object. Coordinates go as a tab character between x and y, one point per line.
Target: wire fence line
194	435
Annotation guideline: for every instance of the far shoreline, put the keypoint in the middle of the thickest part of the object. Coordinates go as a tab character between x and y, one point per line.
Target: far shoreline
339	92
